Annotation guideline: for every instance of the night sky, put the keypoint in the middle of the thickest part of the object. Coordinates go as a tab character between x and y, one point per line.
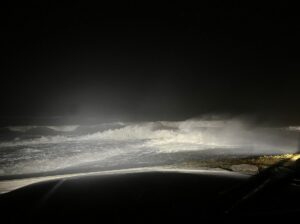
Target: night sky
150	60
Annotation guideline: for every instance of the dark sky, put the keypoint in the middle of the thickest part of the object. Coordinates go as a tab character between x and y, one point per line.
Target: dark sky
149	59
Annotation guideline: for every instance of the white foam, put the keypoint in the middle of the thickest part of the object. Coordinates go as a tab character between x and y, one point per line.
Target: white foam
190	134
47	163
294	128
65	128
131	141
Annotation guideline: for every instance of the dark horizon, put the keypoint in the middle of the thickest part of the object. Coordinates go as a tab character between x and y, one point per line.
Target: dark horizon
150	61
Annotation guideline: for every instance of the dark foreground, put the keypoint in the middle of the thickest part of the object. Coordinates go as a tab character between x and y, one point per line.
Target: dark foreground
147	197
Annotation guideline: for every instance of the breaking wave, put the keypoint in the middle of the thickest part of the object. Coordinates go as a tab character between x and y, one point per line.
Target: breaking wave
63	128
133	143
294	128
214	133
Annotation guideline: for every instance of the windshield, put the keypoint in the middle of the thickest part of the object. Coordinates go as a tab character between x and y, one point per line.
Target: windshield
89	89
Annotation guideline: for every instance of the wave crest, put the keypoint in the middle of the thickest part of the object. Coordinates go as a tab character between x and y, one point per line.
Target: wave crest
221	133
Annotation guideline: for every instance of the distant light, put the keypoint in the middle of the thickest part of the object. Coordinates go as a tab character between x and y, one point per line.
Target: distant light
295	157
